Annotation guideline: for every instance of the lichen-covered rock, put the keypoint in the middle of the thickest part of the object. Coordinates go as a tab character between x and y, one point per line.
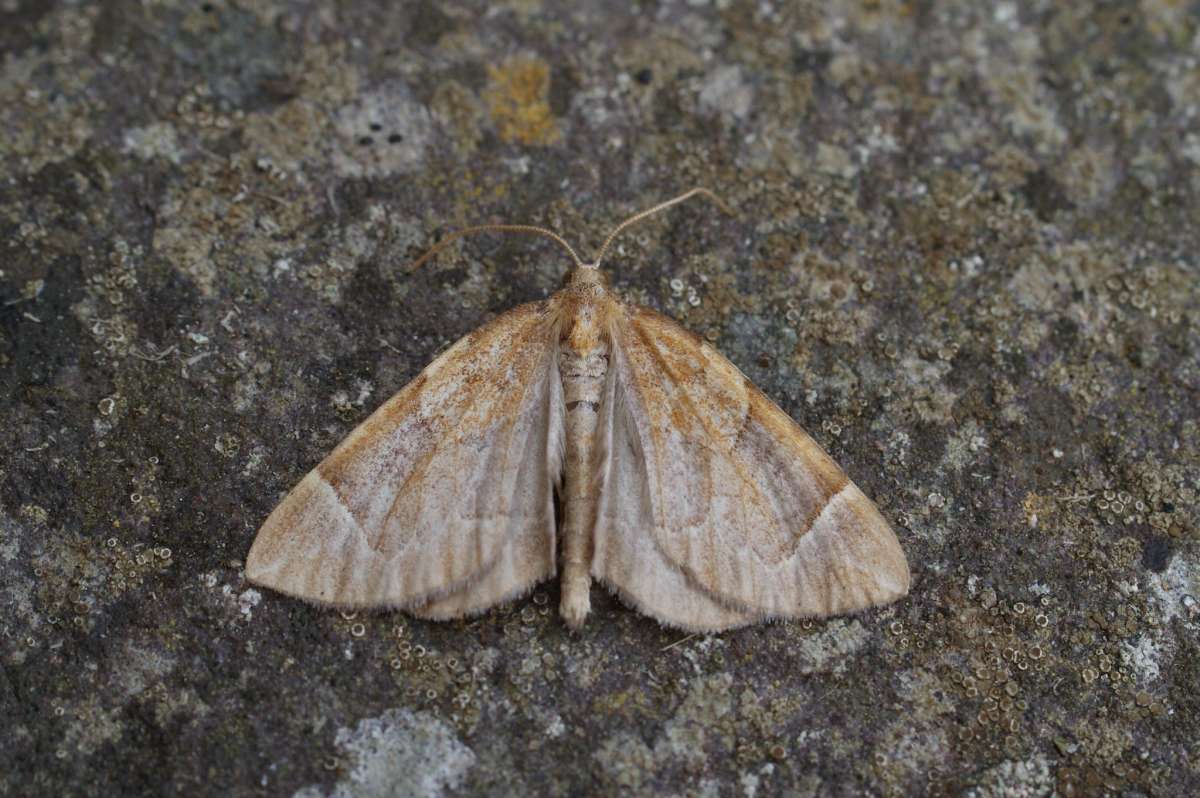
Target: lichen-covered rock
965	258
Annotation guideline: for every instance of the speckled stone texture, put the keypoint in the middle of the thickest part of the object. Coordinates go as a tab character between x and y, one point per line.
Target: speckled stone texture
966	259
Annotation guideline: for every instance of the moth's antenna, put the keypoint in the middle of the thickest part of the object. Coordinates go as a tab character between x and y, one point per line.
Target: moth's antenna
498	228
662	206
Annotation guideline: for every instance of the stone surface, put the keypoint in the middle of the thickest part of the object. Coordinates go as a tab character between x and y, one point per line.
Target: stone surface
965	259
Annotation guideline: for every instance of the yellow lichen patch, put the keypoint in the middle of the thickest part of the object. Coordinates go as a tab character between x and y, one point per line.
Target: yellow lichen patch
518	102
1035	507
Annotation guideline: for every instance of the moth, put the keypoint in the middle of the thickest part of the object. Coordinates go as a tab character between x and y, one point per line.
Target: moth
681	487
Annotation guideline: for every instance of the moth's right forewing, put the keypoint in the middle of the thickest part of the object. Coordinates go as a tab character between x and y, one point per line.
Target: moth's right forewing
740	498
422	499
626	556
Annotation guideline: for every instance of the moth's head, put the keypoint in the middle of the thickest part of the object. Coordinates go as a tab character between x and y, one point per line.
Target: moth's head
586	277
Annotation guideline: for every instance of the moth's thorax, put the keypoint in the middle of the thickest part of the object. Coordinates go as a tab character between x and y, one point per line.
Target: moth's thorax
585	310
582	331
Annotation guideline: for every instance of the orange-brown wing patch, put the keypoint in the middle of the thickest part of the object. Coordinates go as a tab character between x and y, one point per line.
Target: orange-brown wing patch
424	496
739	497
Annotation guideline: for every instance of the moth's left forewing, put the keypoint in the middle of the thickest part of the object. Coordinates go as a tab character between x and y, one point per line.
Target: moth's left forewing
741	499
442	498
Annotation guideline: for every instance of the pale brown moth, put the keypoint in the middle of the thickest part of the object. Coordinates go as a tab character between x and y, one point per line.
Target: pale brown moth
682	487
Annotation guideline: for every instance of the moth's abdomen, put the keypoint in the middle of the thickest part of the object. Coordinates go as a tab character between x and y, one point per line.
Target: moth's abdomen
583	364
583	376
